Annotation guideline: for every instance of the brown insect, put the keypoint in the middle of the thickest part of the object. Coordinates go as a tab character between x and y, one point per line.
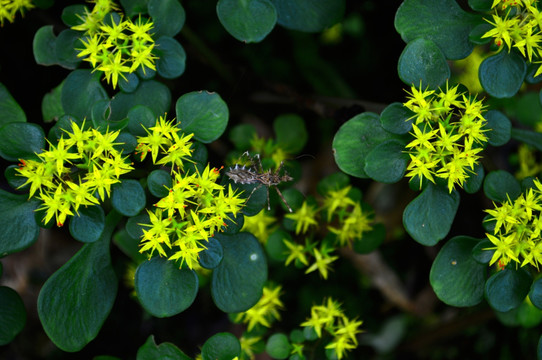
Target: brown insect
254	174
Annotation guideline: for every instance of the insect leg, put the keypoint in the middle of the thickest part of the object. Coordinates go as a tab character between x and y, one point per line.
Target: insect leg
282	198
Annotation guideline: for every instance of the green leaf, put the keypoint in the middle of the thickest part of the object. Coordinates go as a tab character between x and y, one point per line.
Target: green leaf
152	94
387	162
202	113
168	17
129	245
51	105
309	15
332	182
168	351
429	217
354	140
500	185
535	293
81	90
75	301
247	20
480	252
88	224
278	346
10	111
19	227
528	315
163	289
140	118
12	314
502	74
221	346
423	64
171	58
499	126
290	131
275	247
130	84
442	22
242	135
128	197
506	289
456	278
44	46
21	140
371	240
237	282
71	14
134	7
475	180
397	119
158	182
66	43
211	257
14	179
528	137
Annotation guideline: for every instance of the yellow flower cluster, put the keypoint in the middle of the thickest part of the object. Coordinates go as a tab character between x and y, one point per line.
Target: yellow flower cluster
448	131
518	24
517	232
266	309
72	172
9	9
195	207
114	45
329	317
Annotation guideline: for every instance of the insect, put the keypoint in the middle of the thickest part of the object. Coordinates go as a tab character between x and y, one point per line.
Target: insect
254	174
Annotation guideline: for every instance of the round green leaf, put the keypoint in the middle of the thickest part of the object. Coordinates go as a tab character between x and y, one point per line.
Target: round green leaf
159	182
221	346
10	111
456	278
354	140
528	315
506	289
309	15
499	128
71	14
75	301
387	162
88	224
12	314
202	113
130	84
429	217
371	240
128	197
275	247
234	224
168	17
129	246
278	346
529	137
247	21
500	185
152	94
19	227
535	293
290	131
237	282
422	62
21	140
242	135
81	90
171	58
168	351
140	118
44	46
480	252
397	119
475	180
211	257
133	224
66	43
51	105
163	289
443	22
14	179
502	74
332	182
477	33
126	142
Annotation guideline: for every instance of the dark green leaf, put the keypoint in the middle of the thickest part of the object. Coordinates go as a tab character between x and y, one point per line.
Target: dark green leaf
475	180
480	252
234	224
127	142
81	90
202	113
278	346
71	14
429	217
502	74
242	135
480	5
130	84
442	22
19	227
535	294
275	247
221	346
423	64
65	50
128	197
456	278
167	351
75	301
387	162
152	94
10	111
247	21
528	137
500	185
21	140
12	314
211	257
140	118
371	240
171	58
308	15
477	33
290	131
134	7
44	46
163	289
168	17
129	246
237	282
51	105
159	182
14	179
506	289
397	119
88	224
500	128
